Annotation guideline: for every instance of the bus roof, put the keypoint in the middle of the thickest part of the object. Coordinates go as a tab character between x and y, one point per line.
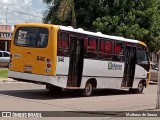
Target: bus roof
99	34
80	30
33	24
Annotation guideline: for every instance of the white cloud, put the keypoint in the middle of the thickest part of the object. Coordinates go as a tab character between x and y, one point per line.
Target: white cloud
18	11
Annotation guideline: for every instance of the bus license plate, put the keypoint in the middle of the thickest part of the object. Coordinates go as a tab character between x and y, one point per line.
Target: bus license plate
27	68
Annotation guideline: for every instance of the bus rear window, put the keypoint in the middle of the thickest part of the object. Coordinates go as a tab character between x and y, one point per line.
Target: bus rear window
31	37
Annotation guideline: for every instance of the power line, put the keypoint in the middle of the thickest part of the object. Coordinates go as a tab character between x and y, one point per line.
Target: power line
30	15
21	12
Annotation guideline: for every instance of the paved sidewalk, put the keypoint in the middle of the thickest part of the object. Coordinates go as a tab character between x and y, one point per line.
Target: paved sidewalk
7	80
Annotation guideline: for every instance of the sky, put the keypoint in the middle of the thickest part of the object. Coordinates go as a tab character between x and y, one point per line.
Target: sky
20	11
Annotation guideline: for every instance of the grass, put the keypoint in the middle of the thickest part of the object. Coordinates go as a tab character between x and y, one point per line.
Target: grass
3	72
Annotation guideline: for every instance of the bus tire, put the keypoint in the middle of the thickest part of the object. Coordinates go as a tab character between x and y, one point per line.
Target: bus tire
88	90
139	89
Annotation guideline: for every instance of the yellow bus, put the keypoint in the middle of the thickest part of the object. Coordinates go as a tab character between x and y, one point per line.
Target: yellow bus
65	58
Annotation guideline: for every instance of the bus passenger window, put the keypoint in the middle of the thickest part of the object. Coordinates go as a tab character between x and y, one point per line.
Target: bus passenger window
92	45
63	44
102	46
118	48
63	41
92	48
105	50
118	52
108	46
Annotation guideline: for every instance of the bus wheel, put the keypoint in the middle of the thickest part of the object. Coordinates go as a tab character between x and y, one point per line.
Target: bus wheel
88	90
139	89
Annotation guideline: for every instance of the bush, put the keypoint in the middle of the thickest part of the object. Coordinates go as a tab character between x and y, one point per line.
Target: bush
3	72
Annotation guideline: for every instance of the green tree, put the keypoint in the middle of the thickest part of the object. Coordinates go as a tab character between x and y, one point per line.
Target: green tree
66	6
136	19
86	12
50	15
59	11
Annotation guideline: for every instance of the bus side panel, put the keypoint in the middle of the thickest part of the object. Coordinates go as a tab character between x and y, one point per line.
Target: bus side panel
54	43
140	74
62	71
107	76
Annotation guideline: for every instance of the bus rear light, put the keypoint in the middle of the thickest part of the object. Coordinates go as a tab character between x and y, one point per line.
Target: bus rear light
48	60
48	65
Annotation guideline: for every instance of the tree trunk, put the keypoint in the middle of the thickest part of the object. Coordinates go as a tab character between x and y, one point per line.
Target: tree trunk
74	22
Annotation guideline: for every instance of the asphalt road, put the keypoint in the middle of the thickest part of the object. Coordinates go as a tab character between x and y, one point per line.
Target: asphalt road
32	97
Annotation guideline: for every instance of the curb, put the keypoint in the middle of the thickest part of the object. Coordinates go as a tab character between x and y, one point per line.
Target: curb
6	80
10	81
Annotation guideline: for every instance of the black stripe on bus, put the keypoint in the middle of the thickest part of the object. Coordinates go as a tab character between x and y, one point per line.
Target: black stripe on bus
91	76
99	76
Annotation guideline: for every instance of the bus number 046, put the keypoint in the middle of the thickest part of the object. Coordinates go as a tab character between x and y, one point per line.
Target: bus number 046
40	58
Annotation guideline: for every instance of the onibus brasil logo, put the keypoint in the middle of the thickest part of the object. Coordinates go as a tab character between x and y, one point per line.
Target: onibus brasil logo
114	66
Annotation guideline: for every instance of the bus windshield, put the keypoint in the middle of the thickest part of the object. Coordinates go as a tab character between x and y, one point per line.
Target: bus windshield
142	56
31	37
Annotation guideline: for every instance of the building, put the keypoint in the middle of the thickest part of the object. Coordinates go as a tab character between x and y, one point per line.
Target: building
5	37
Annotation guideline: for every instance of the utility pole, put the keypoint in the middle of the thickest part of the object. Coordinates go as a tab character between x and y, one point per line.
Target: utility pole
6	26
30	19
158	84
6	16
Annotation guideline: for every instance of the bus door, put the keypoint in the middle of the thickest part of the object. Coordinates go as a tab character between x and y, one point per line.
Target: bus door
76	62
129	67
